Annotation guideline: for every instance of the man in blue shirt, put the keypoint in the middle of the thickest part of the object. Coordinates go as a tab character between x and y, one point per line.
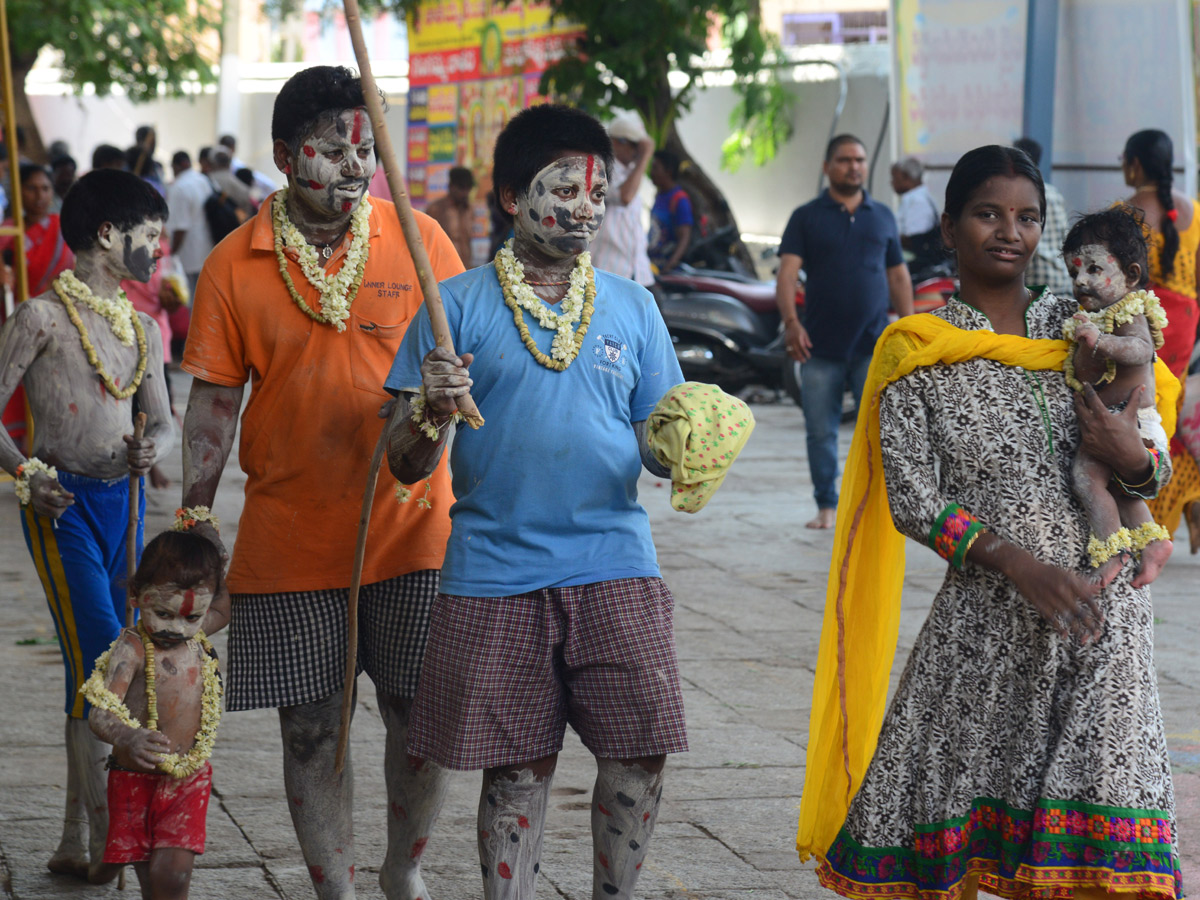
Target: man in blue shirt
849	247
671	219
552	610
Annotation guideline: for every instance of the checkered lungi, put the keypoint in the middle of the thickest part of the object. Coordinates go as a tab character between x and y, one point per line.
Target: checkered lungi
504	676
290	648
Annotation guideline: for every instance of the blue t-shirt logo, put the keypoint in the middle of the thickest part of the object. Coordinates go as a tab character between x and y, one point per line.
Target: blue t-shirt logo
609	351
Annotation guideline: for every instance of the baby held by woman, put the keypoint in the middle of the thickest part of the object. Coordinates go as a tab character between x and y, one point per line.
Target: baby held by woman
1113	339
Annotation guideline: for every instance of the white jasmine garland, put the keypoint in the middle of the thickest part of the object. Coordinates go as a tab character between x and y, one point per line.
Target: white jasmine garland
564	345
25	471
117	311
337	291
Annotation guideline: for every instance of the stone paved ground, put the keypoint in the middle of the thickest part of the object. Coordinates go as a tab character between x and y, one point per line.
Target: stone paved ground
749	583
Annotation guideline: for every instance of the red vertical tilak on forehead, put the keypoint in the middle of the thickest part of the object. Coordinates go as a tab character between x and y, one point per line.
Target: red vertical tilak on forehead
189	601
357	132
591	163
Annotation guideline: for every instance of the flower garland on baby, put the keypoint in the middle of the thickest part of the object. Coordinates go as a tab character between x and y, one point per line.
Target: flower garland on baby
337	291
26	471
1135	303
190	516
121	318
577	306
172	764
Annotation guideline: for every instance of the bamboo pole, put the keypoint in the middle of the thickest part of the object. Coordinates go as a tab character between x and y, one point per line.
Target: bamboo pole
14	163
441	334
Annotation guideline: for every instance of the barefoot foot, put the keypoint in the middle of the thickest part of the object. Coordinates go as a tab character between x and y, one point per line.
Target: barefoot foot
103	873
1110	569
825	519
1154	556
67	862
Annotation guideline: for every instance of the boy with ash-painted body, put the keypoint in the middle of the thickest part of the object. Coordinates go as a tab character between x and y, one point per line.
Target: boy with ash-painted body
1114	336
83	355
156	698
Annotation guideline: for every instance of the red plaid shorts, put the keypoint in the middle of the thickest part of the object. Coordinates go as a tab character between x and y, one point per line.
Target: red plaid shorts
146	812
504	676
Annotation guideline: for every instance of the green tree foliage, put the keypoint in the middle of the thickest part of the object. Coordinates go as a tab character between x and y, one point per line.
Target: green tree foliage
143	46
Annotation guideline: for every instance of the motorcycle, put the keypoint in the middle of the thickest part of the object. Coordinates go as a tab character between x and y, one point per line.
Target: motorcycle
726	327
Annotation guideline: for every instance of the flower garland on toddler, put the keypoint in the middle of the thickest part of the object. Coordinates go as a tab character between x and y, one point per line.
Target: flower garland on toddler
27	470
577	306
173	764
1135	303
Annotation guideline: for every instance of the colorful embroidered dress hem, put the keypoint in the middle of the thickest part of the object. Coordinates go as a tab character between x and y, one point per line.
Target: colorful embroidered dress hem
1017	854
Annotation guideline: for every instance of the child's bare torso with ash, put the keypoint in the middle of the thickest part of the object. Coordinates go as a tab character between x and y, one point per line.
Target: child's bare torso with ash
179	689
1130	347
80	425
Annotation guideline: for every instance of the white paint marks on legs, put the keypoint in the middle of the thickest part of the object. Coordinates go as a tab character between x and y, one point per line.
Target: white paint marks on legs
71	857
512	817
321	802
624	809
416	791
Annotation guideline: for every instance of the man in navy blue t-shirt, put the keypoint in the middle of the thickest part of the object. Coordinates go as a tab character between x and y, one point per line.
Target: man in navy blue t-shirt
849	248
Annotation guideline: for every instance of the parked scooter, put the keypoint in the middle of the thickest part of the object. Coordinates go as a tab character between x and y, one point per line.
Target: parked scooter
727	331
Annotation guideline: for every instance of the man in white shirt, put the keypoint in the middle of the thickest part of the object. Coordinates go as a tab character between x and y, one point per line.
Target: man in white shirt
918	217
620	245
263	184
191	240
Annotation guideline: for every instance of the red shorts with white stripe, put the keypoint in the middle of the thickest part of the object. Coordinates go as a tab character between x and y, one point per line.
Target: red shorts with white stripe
146	812
504	676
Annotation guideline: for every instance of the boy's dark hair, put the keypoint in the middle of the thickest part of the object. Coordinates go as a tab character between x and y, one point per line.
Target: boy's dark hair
65	160
1119	228
181	158
535	136
670	162
245	176
837	141
462	177
976	166
205	155
308	95
107	195
105	155
184	558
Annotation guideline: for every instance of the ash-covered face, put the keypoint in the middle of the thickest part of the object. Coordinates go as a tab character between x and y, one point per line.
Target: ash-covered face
1097	277
132	252
333	167
171	614
563	207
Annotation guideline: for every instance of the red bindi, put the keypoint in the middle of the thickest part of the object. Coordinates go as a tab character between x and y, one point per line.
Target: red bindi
189	601
1077	262
357	132
309	151
591	163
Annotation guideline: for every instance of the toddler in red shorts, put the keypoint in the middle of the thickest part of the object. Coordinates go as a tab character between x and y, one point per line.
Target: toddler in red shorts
156	697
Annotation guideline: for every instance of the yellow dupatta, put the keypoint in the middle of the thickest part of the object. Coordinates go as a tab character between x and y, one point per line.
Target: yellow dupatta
862	600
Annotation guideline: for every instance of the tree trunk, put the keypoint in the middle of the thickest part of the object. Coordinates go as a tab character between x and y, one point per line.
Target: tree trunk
707	198
34	148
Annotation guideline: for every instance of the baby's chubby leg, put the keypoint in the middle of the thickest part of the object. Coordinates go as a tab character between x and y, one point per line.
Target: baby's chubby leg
1090	479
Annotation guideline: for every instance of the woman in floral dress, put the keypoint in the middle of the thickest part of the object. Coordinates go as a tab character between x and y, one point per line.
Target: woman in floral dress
1023	752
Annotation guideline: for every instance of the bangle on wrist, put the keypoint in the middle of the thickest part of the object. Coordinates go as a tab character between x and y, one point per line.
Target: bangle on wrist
1137	490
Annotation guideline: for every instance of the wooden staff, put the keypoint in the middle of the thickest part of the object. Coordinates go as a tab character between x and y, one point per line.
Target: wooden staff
139	429
404	211
441	334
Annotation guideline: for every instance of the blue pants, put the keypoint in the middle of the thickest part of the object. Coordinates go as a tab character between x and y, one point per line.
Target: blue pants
823	382
81	564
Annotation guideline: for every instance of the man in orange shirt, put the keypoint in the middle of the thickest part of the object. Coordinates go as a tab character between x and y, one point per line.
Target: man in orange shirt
308	301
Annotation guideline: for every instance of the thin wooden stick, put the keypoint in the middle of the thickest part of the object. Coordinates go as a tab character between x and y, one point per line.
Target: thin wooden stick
404	211
139	430
360	549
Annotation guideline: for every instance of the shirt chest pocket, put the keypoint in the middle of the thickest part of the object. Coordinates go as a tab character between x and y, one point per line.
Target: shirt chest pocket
373	346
